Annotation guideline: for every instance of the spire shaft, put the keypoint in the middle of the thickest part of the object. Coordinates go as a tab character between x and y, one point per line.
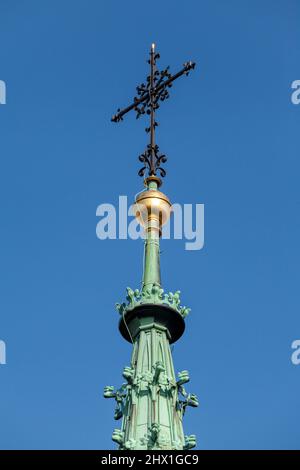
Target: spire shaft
151	274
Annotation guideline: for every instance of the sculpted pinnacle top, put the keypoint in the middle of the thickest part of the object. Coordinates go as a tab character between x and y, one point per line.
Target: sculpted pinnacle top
147	102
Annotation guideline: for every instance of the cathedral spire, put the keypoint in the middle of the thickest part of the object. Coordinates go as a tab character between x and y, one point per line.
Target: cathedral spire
152	401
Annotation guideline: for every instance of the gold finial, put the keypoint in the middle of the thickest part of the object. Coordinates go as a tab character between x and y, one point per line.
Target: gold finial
152	209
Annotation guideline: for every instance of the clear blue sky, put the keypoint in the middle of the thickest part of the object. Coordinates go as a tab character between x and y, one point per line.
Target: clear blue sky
232	137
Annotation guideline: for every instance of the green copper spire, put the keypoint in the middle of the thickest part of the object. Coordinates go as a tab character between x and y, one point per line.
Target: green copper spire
152	400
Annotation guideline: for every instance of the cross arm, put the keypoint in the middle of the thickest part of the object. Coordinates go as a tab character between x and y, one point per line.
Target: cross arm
156	90
119	116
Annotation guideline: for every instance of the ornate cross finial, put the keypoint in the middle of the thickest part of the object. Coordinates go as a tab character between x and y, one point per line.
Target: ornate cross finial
147	102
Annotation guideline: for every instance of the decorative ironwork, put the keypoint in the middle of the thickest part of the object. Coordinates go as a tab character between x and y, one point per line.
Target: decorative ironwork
147	101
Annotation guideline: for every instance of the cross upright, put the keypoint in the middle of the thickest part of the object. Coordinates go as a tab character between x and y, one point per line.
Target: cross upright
149	95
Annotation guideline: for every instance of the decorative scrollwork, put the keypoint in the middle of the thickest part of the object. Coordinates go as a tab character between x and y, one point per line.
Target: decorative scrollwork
147	157
147	101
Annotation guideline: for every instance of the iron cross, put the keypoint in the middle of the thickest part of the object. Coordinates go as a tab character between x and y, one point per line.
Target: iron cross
147	102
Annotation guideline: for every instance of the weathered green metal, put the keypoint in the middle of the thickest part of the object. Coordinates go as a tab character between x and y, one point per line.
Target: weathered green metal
152	294
151	402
